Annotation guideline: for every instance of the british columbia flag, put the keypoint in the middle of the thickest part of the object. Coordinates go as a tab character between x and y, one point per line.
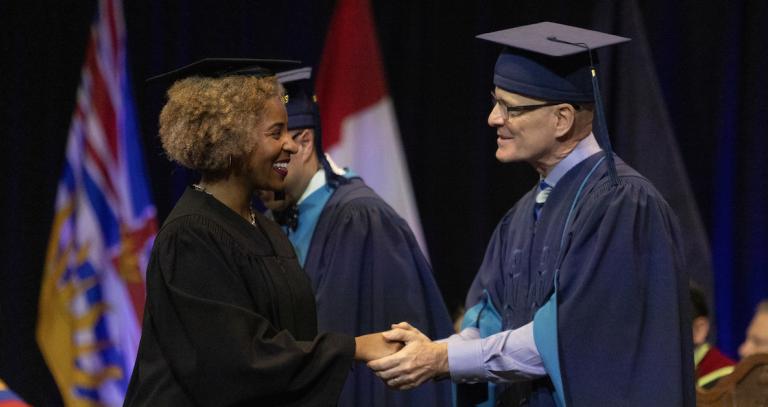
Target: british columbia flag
92	295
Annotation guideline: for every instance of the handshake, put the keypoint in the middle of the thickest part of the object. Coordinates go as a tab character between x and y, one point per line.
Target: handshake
402	357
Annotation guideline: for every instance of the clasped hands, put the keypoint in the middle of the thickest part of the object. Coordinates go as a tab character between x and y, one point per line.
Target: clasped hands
402	357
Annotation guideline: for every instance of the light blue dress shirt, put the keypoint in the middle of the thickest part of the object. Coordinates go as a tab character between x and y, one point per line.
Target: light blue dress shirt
511	355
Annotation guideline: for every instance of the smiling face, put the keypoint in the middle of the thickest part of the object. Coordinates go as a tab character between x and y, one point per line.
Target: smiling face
530	136
267	162
303	166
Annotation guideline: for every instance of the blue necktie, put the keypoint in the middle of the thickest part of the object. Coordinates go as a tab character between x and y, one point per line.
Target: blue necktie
541	197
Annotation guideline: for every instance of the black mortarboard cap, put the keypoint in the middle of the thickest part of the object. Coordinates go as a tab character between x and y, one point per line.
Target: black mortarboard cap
554	62
221	67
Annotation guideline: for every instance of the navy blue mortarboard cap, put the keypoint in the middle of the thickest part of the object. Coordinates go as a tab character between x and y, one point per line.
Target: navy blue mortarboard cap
301	100
548	61
221	67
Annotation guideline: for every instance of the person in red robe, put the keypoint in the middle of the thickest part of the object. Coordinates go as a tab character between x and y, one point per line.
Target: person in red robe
711	364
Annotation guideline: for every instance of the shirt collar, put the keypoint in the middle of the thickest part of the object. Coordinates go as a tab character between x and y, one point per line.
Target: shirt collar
586	148
317	181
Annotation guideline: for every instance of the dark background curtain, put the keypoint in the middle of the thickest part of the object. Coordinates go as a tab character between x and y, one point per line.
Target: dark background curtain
686	106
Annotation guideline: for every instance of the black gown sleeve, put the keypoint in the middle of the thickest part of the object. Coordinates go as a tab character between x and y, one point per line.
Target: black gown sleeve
215	312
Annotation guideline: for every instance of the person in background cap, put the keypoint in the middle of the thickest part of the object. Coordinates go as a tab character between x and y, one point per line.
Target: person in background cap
757	333
230	316
711	364
366	267
581	299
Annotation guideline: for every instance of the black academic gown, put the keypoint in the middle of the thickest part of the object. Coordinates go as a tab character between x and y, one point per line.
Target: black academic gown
623	327
368	272
230	318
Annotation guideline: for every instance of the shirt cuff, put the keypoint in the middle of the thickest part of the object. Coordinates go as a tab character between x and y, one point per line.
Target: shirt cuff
465	360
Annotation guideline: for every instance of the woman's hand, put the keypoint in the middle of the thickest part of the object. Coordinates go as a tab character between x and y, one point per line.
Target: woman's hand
374	346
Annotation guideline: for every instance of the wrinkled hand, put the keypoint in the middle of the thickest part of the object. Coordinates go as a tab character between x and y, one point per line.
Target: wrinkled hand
419	361
374	346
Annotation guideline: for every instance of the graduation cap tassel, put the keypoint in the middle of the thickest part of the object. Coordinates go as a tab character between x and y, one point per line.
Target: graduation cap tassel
601	129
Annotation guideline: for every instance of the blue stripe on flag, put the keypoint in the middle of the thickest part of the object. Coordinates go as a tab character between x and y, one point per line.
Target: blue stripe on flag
8	395
90	394
68	177
110	228
93	295
139	187
109	355
100	330
85	271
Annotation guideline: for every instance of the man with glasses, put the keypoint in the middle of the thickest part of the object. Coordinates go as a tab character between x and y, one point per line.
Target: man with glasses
365	265
581	299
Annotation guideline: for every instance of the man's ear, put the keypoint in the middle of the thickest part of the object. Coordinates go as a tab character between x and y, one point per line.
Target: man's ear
306	141
565	116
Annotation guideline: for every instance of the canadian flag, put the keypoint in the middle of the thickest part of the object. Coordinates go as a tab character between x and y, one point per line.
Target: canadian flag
359	124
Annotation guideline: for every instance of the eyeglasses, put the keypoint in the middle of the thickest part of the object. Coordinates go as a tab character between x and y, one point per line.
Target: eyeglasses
514	111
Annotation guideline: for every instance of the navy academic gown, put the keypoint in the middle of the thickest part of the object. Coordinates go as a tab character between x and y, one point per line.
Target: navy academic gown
622	335
368	272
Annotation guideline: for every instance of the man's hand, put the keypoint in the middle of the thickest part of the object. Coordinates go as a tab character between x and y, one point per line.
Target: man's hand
374	346
419	361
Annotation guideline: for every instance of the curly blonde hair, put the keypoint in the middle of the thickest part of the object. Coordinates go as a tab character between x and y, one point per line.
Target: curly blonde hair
206	121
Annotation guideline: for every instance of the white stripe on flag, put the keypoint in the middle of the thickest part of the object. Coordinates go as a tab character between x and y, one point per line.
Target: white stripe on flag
370	146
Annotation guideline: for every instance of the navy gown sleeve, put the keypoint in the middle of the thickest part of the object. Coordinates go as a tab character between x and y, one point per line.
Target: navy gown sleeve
483	305
369	273
213	313
623	325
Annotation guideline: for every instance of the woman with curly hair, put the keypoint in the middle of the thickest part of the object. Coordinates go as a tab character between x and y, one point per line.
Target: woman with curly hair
230	316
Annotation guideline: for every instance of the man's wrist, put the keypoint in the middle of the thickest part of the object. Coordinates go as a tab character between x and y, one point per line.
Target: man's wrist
442	367
442	354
